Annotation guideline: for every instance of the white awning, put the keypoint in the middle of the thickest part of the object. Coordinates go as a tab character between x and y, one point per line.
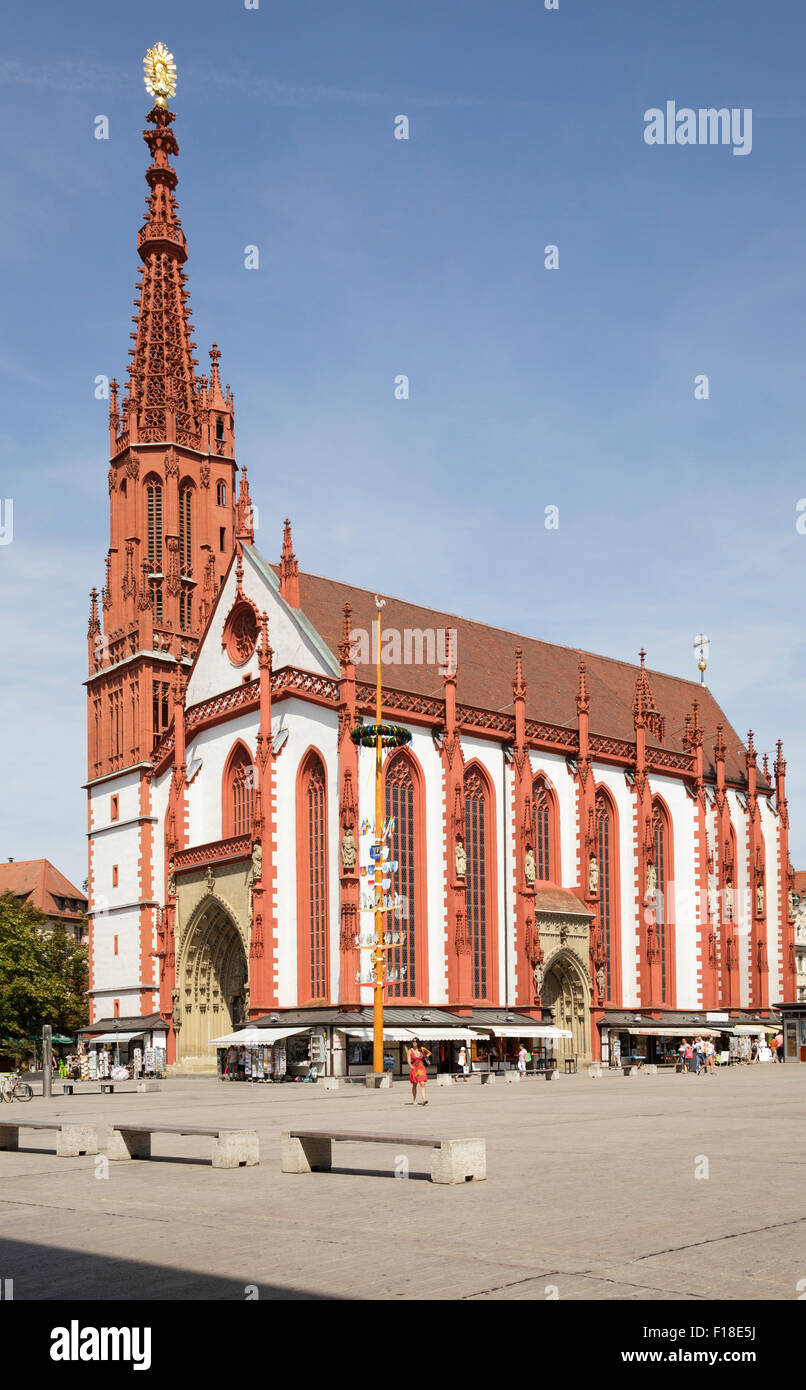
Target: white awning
754	1030
255	1037
531	1030
113	1038
673	1032
444	1034
390	1034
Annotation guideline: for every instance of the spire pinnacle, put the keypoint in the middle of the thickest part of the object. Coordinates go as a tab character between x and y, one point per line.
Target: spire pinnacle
289	569
645	712
583	698
245	527
519	684
346	635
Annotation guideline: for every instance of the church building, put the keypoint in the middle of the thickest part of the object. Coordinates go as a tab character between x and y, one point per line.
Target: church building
577	839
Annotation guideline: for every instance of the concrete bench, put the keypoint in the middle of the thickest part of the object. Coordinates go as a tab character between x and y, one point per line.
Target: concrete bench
147	1084
71	1140
452	1160
68	1088
447	1078
107	1088
232	1148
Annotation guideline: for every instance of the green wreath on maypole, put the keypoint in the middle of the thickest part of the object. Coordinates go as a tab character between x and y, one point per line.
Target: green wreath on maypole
391	735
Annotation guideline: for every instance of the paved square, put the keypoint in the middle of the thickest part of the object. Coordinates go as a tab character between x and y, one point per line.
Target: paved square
592	1193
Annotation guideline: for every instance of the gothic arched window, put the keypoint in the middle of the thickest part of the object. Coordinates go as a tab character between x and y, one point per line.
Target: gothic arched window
664	870
239	793
609	910
312	883
221	494
403	801
546	831
480	881
154	522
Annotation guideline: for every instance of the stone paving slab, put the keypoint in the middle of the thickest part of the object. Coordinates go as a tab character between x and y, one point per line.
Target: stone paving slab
592	1193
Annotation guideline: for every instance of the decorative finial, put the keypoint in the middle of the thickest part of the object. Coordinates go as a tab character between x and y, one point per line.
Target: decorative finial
519	685
160	74
642	655
701	647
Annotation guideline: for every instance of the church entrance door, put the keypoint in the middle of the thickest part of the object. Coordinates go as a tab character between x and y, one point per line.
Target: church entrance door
212	986
567	995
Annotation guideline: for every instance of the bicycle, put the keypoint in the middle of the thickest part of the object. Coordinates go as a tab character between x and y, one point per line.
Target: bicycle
14	1088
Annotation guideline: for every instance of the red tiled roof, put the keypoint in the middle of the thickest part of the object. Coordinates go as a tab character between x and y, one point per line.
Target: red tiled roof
486	668
799	881
37	881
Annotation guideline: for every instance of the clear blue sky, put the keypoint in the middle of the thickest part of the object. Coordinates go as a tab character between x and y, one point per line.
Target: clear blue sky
378	257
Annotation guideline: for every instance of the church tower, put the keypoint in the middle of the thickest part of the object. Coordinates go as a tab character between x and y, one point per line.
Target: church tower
172	533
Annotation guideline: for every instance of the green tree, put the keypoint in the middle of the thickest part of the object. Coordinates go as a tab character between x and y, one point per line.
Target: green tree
43	975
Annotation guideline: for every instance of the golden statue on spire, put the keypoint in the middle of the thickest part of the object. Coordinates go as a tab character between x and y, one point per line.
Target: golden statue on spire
160	74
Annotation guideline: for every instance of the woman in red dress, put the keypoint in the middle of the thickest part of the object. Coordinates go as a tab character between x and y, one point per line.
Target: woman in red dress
417	1073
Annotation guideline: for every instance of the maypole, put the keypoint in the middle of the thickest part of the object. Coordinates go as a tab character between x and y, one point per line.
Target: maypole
379	942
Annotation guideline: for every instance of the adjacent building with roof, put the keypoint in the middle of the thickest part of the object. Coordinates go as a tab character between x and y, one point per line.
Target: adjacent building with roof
38	882
569	835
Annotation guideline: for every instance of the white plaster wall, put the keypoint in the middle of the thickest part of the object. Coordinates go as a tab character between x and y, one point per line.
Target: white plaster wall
126	788
684	904
204	795
556	769
772	893
213	671
491	758
309	726
743	908
614	780
115	972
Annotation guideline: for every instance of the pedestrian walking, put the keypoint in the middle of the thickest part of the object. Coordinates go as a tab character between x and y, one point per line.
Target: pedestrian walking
779	1047
688	1057
463	1063
710	1055
417	1072
754	1052
523	1058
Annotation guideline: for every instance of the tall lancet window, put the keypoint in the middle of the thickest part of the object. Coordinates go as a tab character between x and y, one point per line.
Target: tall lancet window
547	840
403	801
239	793
609	917
312	883
664	872
480	892
154	521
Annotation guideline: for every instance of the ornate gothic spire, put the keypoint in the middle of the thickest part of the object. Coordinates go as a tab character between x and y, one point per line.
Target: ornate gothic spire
245	528
162	403
645	712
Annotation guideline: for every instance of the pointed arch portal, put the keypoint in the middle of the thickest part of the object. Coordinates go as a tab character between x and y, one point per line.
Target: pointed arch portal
566	993
213	982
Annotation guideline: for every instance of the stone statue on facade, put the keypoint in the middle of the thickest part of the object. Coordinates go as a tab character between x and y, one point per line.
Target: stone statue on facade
177	1009
538	974
461	860
257	863
600	981
171	879
760	899
349	849
210	880
729	898
529	867
651	880
593	876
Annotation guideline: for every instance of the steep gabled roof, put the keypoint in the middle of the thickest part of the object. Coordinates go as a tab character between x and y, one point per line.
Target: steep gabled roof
39	883
485	667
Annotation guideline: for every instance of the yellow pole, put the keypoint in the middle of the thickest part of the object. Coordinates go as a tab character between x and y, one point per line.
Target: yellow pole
377	1044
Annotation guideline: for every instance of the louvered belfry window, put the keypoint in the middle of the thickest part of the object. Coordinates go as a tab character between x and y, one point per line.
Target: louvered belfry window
400	803
185	534
316	908
604	846
154	507
476	880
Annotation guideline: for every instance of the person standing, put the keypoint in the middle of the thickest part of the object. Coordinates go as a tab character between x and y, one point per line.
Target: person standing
689	1057
522	1060
463	1064
417	1072
779	1047
710	1055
